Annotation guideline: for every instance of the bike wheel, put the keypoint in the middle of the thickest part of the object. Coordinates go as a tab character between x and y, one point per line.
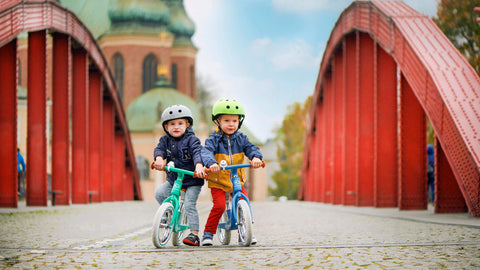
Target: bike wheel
177	237
162	231
222	233
244	219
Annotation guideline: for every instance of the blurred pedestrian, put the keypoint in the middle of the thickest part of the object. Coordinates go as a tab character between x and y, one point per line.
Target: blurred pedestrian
431	173
21	174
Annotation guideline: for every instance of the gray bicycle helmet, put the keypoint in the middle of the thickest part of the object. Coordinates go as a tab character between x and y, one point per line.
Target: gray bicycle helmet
176	112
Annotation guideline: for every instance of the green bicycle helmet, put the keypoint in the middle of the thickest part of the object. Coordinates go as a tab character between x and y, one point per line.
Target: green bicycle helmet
228	106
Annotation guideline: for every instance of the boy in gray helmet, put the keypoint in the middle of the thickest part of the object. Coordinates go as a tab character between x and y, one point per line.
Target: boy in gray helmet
181	146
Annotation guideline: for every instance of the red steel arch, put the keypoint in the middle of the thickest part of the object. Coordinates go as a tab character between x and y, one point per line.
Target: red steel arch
385	72
102	161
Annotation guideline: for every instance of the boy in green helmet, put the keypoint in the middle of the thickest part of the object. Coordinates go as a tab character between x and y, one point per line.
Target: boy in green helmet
231	145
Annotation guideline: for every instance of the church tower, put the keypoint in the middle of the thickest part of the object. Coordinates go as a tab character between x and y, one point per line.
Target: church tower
183	50
137	36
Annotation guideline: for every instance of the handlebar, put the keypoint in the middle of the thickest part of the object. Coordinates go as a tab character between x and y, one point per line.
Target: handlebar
237	166
173	169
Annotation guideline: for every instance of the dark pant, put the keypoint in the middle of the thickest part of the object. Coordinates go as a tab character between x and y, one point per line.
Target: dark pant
21	184
431	188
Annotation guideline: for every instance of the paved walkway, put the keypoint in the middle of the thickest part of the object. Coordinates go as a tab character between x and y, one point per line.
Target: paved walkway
291	235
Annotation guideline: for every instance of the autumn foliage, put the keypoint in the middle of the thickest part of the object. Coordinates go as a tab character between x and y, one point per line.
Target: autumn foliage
458	21
291	142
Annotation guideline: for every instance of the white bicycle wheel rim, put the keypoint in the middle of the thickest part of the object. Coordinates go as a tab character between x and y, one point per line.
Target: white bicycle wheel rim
244	219
162	232
224	234
177	237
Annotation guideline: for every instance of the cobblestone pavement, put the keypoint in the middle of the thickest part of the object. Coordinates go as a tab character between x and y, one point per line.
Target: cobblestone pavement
291	235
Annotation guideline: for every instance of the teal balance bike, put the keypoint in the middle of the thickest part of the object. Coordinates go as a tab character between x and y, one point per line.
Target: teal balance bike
170	220
238	213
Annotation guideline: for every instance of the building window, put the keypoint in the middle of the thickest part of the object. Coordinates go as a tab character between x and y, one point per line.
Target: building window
192	82
149	72
142	167
118	73
174	75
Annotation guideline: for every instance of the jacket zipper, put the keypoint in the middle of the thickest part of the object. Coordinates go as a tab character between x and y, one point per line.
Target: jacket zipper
230	151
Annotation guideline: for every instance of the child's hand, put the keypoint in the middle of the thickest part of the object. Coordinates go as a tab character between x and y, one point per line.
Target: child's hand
214	168
200	170
256	162
159	163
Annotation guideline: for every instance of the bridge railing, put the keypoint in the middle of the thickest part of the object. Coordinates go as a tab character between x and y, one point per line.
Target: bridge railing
98	147
386	70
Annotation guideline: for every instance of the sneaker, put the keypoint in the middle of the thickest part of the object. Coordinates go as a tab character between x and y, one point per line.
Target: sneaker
207	239
192	240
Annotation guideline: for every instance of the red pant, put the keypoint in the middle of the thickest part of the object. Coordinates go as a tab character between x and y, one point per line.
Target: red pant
218	197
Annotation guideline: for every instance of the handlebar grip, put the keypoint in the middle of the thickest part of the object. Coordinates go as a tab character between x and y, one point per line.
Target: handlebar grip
195	175
152	166
263	164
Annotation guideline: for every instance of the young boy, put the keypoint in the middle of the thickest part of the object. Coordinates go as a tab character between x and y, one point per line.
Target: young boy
181	146
226	143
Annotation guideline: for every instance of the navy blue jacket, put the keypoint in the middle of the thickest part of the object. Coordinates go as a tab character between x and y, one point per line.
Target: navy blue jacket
184	152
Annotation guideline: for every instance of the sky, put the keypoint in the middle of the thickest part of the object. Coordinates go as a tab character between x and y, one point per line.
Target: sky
266	54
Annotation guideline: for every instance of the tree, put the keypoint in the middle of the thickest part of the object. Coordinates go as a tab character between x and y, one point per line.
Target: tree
291	140
204	99
457	20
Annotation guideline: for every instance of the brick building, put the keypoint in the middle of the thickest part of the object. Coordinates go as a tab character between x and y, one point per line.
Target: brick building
148	46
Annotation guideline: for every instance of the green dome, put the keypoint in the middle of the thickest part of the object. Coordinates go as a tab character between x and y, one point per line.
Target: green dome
180	24
137	15
93	13
144	112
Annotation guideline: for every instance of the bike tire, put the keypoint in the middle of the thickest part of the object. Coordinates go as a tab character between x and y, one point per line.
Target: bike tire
244	219
177	237
222	233
162	231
